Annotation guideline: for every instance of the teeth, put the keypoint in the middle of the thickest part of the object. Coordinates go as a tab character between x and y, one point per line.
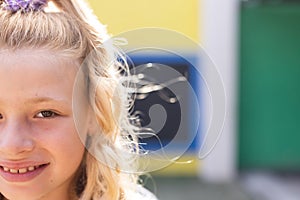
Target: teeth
13	171
20	171
30	169
5	169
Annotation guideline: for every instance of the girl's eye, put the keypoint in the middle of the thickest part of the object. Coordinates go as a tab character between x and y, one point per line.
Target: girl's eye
46	114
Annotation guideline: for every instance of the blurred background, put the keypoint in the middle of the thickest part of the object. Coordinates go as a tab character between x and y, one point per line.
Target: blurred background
255	47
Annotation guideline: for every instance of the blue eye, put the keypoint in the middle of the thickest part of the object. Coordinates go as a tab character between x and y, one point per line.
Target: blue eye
46	114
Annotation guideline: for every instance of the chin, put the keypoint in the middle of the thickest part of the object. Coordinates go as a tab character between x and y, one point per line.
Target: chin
18	195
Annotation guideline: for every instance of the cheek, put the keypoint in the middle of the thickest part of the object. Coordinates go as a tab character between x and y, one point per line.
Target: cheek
61	139
60	130
65	149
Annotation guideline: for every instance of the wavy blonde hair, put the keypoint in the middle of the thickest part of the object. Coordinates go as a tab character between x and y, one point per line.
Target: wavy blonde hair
72	30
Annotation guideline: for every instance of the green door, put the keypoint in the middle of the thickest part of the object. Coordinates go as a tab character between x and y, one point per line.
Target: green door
269	127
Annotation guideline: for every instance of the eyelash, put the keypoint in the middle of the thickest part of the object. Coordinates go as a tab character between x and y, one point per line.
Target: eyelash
46	112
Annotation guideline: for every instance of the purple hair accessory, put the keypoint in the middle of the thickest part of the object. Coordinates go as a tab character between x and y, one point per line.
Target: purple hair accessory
24	5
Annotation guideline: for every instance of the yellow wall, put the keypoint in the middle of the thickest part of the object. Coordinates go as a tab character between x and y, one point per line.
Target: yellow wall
125	15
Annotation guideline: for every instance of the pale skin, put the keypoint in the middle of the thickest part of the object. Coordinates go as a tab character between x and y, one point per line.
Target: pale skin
37	125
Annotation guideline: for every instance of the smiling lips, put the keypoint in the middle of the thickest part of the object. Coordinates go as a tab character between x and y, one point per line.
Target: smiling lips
21	170
21	173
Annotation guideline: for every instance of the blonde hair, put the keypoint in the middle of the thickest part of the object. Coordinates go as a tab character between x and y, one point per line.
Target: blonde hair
73	31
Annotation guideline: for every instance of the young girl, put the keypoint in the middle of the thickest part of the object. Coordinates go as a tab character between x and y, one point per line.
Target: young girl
65	127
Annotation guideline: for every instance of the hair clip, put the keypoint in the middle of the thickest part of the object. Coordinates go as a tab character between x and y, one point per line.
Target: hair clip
24	5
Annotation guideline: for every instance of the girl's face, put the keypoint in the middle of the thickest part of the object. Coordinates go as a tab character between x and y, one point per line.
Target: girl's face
40	149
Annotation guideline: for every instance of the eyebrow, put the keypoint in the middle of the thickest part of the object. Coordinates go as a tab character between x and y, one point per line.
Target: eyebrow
45	100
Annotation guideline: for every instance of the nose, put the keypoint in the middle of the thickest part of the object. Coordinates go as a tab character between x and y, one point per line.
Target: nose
15	139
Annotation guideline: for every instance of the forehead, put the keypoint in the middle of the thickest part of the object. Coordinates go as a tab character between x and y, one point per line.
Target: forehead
29	62
28	73
34	57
